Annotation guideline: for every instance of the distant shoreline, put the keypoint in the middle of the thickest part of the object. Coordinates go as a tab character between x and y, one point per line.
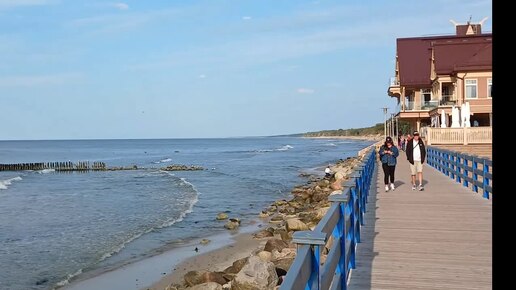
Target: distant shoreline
365	137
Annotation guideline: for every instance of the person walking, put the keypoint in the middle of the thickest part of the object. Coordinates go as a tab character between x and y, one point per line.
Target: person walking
388	154
416	153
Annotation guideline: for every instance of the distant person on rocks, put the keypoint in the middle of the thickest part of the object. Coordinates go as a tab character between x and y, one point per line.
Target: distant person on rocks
388	154
327	172
416	153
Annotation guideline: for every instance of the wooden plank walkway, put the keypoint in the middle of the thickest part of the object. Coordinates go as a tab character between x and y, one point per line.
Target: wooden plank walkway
439	238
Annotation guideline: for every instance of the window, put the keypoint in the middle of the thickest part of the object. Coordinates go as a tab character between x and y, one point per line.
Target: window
489	86
471	89
426	98
426	95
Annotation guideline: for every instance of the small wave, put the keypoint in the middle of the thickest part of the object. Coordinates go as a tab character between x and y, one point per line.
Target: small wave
67	280
283	148
330	144
163	161
45	171
4	184
165	224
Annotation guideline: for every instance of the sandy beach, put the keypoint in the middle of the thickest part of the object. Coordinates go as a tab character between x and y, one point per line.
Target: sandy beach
217	260
161	270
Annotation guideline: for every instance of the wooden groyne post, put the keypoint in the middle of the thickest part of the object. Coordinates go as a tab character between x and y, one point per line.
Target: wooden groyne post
57	166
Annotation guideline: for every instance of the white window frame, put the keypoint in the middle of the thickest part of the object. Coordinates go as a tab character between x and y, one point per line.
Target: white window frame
489	83
466	89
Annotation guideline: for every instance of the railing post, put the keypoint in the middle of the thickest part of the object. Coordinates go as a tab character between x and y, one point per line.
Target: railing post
316	241
459	171
465	173
342	268
465	132
475	175
485	180
453	165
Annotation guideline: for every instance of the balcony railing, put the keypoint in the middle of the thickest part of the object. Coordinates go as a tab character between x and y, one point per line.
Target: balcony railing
428	105
393	82
447	100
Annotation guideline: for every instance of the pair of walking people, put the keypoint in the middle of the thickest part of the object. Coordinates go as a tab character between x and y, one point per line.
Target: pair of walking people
416	153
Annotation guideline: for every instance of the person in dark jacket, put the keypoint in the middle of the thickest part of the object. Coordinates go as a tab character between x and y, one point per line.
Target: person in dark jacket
388	154
416	153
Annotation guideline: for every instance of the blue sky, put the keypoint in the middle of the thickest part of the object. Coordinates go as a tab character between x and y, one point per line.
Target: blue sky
182	69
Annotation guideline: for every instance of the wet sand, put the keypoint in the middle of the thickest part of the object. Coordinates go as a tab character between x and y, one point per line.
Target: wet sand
216	260
152	272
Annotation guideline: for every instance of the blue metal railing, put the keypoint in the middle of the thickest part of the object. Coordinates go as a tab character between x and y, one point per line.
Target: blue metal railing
463	168
339	230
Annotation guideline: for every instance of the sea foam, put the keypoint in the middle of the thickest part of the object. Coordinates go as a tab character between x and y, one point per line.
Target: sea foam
4	184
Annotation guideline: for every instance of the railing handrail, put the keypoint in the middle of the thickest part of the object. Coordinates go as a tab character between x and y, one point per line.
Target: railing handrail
456	166
462	135
342	224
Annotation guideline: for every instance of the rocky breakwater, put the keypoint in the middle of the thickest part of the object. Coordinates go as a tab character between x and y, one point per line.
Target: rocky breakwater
266	267
181	167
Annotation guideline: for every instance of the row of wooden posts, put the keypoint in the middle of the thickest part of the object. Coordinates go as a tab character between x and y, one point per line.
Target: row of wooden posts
57	166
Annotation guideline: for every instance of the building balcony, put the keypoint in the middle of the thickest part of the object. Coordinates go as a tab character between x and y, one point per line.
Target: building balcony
393	82
447	100
417	106
394	88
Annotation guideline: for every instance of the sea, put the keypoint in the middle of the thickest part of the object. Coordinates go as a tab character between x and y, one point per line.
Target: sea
56	227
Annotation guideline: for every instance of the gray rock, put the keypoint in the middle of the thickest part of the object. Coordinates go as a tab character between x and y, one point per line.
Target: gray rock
193	278
237	266
275	244
256	275
222	216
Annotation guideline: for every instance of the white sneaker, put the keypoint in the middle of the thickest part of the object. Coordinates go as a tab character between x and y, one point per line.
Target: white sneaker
392	186
421	188
413	187
386	188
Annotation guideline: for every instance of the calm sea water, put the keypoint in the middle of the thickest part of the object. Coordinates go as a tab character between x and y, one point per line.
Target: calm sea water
55	226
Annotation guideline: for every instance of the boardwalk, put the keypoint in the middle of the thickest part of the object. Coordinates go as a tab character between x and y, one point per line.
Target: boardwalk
439	238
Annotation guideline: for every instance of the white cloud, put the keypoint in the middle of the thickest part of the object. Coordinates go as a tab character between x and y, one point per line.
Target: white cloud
305	91
18	3
120	6
39	80
202	76
247	18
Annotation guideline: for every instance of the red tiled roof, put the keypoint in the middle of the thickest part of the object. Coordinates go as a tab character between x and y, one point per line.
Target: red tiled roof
468	54
414	61
414	56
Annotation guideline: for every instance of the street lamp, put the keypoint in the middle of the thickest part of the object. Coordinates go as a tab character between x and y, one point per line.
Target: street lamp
385	122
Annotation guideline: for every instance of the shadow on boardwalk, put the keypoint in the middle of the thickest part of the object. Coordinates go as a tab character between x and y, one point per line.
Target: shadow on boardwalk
439	238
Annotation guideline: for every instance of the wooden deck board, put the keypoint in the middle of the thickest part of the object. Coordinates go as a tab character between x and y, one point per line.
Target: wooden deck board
439	238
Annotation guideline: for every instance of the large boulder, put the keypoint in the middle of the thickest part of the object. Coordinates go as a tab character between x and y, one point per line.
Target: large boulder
206	286
285	253
237	266
263	234
284	264
193	278
295	224
275	244
265	256
256	275
231	225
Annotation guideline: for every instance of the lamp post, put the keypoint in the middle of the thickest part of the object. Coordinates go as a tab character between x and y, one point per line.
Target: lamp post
384	122
392	125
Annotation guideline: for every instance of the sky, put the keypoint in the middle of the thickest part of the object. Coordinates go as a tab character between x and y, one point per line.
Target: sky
72	69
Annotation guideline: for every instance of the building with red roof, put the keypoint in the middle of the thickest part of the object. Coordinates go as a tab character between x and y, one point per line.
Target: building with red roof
438	72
